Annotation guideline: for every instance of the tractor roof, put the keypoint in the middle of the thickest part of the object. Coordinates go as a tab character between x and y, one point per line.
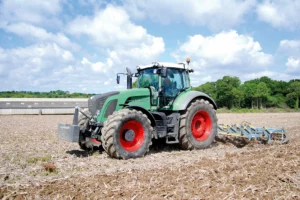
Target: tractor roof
164	64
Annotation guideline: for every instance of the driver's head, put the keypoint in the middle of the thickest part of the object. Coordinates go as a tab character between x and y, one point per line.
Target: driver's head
167	82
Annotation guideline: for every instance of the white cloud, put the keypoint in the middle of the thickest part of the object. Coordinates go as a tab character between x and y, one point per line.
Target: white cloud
293	66
289	47
46	67
37	34
108	27
216	14
259	74
123	43
110	41
141	54
226	49
280	13
42	13
50	64
27	67
68	69
226	53
207	79
95	67
290	50
40	51
271	74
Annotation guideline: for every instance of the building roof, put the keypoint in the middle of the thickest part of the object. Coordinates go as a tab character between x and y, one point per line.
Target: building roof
43	99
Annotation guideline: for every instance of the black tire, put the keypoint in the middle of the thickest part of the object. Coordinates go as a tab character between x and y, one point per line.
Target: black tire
83	123
198	125
133	123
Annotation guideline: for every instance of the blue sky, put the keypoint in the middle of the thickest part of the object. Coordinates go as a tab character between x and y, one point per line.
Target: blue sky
79	46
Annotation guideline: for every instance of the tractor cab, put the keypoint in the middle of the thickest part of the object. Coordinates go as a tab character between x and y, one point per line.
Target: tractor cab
166	81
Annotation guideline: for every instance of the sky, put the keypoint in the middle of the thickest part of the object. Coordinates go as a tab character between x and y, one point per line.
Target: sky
79	46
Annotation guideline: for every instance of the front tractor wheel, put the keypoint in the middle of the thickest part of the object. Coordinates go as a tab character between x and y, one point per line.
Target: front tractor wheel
127	134
198	125
83	123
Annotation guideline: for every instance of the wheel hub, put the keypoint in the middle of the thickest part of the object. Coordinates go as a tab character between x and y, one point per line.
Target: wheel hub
132	135
201	125
197	124
129	135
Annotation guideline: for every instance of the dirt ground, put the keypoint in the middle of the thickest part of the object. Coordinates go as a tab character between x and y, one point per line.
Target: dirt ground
34	165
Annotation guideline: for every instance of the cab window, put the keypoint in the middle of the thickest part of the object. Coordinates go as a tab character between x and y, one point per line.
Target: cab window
174	82
147	78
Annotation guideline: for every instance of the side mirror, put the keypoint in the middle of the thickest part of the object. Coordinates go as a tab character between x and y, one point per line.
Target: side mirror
118	79
164	72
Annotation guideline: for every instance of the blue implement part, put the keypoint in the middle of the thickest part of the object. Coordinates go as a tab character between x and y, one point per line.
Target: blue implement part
247	132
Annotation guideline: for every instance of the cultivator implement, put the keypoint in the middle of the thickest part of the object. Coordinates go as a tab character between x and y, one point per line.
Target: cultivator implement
240	135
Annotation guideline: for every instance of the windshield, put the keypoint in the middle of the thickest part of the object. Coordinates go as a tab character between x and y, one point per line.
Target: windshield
147	78
174	82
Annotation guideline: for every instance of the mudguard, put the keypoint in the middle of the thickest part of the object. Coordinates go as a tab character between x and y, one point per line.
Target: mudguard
184	99
146	112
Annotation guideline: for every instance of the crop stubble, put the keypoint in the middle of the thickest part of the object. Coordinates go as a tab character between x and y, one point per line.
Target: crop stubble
28	144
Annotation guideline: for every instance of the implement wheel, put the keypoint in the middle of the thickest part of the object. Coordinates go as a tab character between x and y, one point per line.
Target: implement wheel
198	125
127	134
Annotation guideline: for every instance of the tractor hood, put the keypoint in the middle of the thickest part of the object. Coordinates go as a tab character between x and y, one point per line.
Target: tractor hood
105	104
136	96
96	102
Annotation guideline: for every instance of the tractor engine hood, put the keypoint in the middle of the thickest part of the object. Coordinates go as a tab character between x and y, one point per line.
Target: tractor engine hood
136	96
96	102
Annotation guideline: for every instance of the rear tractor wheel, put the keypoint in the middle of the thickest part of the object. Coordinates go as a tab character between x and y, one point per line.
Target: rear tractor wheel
127	134
198	125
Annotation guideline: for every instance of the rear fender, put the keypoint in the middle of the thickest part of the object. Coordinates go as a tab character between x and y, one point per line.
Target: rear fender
184	99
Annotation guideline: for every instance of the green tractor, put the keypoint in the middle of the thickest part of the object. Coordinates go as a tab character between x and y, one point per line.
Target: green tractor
163	105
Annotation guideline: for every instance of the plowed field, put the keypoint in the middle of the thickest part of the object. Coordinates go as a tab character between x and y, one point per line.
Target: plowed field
29	152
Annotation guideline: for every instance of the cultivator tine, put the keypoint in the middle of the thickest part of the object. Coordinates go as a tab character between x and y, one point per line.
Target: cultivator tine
247	133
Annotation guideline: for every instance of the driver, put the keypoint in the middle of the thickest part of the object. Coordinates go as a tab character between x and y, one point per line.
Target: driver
167	83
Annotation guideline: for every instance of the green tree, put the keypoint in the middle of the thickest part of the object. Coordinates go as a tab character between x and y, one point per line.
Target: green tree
262	91
134	84
294	93
249	90
238	96
277	100
281	87
208	88
224	88
271	84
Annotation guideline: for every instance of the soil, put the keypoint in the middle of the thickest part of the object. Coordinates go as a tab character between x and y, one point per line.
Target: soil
35	165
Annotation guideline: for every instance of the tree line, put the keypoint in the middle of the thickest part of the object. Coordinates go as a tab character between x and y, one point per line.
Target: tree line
257	93
51	94
227	92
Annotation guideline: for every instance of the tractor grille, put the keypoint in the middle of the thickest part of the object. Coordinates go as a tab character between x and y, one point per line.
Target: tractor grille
96	102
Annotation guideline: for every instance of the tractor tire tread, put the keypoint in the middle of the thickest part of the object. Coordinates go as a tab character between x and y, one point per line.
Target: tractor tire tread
185	140
110	128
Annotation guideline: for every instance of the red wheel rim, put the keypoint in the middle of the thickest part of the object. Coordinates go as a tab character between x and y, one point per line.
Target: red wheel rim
137	129
201	125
